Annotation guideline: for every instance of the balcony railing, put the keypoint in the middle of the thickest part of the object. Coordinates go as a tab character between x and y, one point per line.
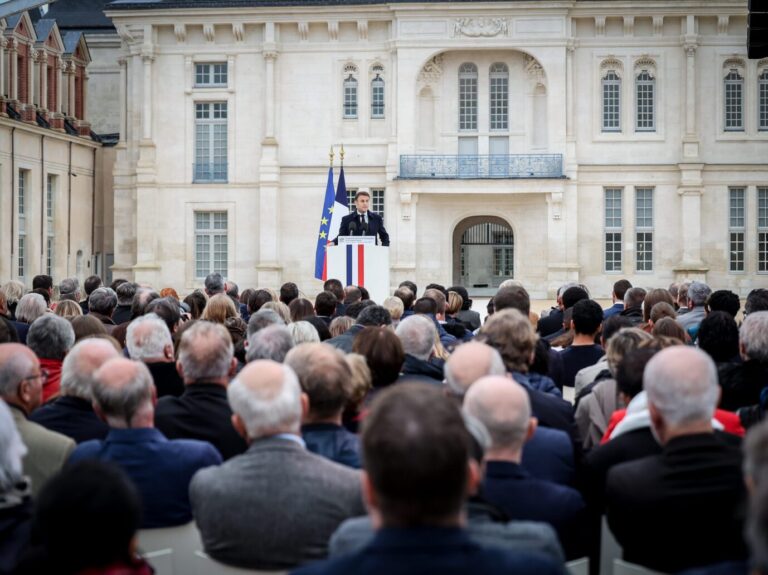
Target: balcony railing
210	172
481	167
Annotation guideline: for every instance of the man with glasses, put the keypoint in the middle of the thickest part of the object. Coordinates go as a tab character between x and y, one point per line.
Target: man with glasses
21	387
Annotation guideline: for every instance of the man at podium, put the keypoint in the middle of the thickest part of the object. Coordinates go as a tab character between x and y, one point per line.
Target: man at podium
362	222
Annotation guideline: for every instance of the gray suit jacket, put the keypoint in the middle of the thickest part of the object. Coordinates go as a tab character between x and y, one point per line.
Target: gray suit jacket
273	507
47	451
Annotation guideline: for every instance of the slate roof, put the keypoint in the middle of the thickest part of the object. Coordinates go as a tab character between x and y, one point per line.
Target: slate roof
71	40
85	15
43	28
166	4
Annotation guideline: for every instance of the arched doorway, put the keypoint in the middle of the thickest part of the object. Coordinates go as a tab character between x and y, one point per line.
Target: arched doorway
484	254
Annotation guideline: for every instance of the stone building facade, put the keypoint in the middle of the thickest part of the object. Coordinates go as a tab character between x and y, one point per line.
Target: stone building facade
547	141
48	159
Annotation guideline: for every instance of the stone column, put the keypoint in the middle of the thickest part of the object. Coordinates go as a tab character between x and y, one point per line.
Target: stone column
146	116
60	66
690	192
569	92
3	92
122	62
691	138
269	96
13	69
85	95
44	81
71	108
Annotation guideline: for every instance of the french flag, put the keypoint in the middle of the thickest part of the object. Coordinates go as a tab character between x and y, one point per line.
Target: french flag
355	260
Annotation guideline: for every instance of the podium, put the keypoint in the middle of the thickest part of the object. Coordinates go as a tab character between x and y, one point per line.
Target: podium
357	260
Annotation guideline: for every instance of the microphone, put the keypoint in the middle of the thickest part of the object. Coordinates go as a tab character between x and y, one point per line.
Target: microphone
352	228
365	229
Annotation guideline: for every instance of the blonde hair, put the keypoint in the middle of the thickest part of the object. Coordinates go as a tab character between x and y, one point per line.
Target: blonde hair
68	309
219	308
455	302
394	305
340	324
280	308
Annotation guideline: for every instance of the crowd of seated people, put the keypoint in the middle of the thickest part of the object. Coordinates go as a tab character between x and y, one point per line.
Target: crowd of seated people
343	435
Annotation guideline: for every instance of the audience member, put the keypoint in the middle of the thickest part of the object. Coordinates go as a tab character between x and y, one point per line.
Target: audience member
69	289
101	305
723	300
202	412
13	290
383	352
219	308
325	306
371	316
51	337
273	342
21	387
214	284
620	288
31	306
586	322
72	413
668	327
87	326
322	328
417	335
125	293
325	377
586	377
149	341
742	383
467	316
68	309
698	294
633	305
246	509
288	292
719	337
301	308
124	396
90	284
302	332
15	499
263	318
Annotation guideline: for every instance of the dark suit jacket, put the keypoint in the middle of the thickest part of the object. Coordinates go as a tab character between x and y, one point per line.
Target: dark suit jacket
160	469
555	412
166	377
202	412
447	551
682	508
333	442
375	227
514	491
345	340
275	506
551	323
71	416
548	455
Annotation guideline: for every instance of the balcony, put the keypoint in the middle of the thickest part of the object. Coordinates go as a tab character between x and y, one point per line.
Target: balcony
456	167
207	172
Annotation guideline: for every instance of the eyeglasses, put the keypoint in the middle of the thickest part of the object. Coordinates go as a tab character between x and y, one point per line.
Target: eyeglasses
43	376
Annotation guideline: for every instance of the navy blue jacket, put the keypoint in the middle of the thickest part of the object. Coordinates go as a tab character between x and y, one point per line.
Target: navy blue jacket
160	469
71	416
447	551
549	455
332	442
375	227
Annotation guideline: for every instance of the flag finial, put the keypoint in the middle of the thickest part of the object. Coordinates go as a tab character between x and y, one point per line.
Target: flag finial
330	156
341	154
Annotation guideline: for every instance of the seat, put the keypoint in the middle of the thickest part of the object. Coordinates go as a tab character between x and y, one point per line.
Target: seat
610	550
170	549
578	566
621	567
211	567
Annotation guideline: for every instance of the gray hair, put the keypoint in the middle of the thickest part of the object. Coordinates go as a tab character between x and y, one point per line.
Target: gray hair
205	351
12	450
125	292
681	382
50	337
506	423
510	282
273	342
417	334
122	403
80	365
12	373
13	291
753	336
262	410
565	287
698	292
31	306
69	286
102	300
303	332
457	385
147	337
263	318
214	283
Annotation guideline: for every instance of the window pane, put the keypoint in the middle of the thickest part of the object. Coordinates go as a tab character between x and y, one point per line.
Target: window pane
762	96
499	95
211	142
214	74
737	251
468	97
736	197
611	102
350	97
211	243
734	85
377	98
645	88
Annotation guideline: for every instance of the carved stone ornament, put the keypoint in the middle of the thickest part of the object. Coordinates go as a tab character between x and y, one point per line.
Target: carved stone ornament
432	71
480	27
534	69
180	31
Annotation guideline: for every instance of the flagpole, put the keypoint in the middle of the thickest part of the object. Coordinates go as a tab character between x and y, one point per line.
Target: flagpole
341	155
330	157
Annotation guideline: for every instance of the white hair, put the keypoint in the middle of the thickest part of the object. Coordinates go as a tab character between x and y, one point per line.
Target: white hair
262	411
31	306
273	342
50	337
78	369
303	332
205	352
151	341
417	334
681	383
511	283
753	335
12	450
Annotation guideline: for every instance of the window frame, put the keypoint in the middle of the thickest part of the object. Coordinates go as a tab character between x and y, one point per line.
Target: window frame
613	235
208	237
615	84
498	97
762	99
211	174
468	97
644	225
737	230
730	85
21	209
378	97
209	71
351	91
762	229
649	84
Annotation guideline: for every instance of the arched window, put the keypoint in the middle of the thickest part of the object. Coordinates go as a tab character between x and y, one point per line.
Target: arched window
350	92
611	85
645	102
377	96
762	99
499	97
734	101
468	97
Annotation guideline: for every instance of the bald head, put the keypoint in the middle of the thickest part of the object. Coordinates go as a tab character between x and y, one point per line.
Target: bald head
502	405
80	365
266	399
18	384
124	393
468	363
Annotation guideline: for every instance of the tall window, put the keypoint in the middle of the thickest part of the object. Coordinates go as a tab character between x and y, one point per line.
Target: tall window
644	229
613	229
50	223
211	75
499	93
762	229
211	245
377	97
377	200
734	101
611	102
468	97
736	224
21	213
211	142
350	97
762	97
645	92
